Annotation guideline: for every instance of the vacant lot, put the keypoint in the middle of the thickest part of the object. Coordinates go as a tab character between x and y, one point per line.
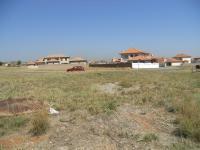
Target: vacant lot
104	109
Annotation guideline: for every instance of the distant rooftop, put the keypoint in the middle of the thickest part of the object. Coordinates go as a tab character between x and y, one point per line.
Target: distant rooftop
133	51
77	59
173	60
182	56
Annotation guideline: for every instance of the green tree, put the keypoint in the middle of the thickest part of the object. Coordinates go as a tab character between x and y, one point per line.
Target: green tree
19	62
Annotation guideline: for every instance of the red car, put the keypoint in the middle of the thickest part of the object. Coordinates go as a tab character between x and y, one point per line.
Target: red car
76	68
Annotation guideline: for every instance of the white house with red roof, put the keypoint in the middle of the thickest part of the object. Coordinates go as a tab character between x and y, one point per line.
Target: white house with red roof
173	62
139	58
184	58
56	59
77	60
131	53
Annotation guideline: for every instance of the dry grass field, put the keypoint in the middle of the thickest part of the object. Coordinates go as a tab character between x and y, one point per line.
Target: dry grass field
101	109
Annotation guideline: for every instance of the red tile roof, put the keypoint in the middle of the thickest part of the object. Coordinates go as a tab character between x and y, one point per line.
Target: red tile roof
173	60
182	56
133	51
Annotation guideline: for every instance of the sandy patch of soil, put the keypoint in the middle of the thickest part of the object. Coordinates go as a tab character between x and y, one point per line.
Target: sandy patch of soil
109	88
124	129
18	141
115	88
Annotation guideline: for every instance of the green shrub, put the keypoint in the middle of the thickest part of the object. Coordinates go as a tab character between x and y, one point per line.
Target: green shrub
19	62
171	109
13	122
40	123
188	128
150	137
2	133
110	106
8	124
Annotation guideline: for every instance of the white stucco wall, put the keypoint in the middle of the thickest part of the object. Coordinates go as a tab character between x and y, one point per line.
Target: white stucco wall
64	61
145	65
187	59
176	64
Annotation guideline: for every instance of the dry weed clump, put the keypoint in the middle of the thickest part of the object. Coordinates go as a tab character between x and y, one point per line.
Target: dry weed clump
39	123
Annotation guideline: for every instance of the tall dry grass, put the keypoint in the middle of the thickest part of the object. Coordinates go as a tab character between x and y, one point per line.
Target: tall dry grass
176	90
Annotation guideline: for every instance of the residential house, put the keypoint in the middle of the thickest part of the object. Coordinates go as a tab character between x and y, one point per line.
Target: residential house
139	58
173	62
131	53
183	57
56	59
196	60
77	60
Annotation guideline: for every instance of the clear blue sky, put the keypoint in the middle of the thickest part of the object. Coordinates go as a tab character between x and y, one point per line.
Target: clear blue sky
98	28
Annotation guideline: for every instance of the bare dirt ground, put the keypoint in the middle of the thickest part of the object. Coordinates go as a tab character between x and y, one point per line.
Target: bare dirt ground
123	129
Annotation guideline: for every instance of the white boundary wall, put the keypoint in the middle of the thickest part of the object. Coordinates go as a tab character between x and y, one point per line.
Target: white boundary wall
145	65
176	64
